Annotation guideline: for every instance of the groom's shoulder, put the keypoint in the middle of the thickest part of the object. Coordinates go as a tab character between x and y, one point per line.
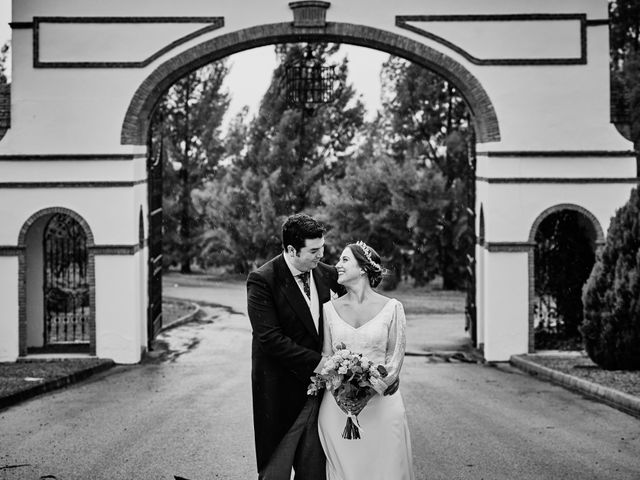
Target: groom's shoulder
328	272
267	269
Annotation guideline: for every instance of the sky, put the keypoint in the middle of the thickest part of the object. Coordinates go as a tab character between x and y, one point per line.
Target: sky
247	86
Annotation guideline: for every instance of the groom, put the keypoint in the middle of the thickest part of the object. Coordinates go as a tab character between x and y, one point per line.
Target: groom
285	298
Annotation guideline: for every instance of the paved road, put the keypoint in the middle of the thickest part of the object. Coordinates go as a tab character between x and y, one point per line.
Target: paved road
187	411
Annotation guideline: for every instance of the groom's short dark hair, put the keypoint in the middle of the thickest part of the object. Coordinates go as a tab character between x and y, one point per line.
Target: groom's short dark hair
299	227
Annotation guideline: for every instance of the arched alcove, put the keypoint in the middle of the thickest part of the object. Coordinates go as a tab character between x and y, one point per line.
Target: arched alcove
564	241
72	290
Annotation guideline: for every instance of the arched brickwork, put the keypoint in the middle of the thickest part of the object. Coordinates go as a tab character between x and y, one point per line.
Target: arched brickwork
136	122
567	206
22	278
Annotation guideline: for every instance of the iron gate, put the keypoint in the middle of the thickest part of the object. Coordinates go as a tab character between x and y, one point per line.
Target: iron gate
154	311
66	284
471	313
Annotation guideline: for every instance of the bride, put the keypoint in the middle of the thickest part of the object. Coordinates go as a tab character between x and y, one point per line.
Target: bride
374	325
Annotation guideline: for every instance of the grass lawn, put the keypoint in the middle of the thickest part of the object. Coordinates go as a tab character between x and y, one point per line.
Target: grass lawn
19	377
428	300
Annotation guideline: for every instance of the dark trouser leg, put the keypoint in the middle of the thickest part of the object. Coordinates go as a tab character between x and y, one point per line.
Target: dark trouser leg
309	462
300	448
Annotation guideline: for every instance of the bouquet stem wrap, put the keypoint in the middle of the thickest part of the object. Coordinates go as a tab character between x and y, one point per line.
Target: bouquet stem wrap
352	428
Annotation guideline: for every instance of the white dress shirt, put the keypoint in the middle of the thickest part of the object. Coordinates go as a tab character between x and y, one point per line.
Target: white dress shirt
313	303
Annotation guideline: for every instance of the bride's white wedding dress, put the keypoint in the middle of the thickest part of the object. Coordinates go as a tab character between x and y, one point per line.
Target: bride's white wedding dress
384	450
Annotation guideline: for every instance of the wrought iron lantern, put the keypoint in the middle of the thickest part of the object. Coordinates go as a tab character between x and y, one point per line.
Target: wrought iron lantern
309	82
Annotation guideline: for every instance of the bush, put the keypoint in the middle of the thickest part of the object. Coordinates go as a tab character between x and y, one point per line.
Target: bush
611	296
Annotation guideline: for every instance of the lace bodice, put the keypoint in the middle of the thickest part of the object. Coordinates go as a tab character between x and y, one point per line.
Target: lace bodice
382	338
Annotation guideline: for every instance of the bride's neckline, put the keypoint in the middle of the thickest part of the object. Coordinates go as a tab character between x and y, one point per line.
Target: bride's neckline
365	323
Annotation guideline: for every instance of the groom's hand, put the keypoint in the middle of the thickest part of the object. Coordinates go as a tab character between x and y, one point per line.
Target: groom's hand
393	388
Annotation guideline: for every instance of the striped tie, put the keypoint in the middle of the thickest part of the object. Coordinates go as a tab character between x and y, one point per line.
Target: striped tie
304	276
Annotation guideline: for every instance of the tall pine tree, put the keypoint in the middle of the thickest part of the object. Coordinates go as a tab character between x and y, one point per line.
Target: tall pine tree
625	66
289	153
428	124
186	126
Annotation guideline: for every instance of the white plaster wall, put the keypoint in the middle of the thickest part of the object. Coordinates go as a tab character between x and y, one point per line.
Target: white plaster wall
555	107
561	38
143	257
9	333
555	167
35	280
480	295
117	324
506	295
481	268
511	209
71	42
541	107
487	288
73	170
112	213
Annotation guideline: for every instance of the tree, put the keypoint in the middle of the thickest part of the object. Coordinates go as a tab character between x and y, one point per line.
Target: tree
303	145
4	60
625	29
390	205
186	125
288	154
428	124
611	296
625	64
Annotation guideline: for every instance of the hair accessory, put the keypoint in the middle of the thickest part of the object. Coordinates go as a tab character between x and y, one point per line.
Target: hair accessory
367	253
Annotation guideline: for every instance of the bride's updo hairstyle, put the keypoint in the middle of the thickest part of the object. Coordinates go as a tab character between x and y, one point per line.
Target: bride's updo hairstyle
369	260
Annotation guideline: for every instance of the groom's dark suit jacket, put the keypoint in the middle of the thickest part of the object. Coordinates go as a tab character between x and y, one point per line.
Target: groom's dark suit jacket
286	348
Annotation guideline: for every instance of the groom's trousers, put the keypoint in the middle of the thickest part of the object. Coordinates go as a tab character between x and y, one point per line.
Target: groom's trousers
300	448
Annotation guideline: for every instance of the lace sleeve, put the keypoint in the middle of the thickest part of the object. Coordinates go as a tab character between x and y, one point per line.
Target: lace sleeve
396	346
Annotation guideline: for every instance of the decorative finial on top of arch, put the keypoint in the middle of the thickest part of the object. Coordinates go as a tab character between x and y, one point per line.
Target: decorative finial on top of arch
309	13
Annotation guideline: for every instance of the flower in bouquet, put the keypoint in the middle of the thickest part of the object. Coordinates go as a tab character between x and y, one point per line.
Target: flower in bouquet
347	375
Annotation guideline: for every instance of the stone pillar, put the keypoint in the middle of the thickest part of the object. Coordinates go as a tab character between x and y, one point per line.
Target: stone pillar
506	301
9	325
118	322
480	292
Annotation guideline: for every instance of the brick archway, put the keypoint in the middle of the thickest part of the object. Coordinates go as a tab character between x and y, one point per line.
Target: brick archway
568	206
22	274
136	122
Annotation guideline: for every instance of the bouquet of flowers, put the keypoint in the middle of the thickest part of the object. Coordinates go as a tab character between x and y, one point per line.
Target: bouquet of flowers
347	375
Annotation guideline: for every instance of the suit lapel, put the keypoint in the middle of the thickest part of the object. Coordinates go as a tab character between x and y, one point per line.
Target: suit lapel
294	296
